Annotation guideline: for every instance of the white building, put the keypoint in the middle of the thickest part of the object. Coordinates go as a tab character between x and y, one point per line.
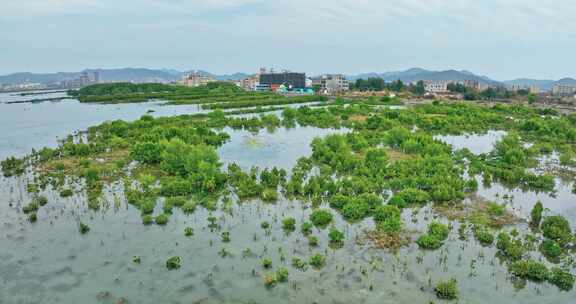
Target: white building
563	90
334	84
440	86
195	79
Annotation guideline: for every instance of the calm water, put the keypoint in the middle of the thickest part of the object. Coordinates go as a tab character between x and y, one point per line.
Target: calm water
51	262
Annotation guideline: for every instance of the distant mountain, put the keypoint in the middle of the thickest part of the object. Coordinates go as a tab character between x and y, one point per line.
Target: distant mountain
115	75
233	77
416	74
543	84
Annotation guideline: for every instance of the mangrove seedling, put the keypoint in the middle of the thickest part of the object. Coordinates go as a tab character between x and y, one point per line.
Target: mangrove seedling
312	241
225	236
298	263
557	228
317	261
265	225
336	236
536	215
321	218
42	200
529	269
447	289
270	279
66	192
289	224
562	279
31	207
483	236
147	219
266	263
212	222
32	217
188	231
84	228
306	228
282	274
173	262
162	219
136	259
551	250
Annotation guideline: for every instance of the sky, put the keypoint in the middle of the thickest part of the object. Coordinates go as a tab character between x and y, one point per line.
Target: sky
502	39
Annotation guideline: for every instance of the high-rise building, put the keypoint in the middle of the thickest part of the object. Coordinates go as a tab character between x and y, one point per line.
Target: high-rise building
96	76
289	79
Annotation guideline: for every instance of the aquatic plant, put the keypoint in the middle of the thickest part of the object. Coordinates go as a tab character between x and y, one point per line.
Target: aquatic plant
265	225
447	289
336	236
321	217
562	279
317	261
434	238
536	215
557	228
188	231
225	236
483	235
282	274
289	224
312	241
31	207
306	228
188	207
551	249
269	195
512	249
270	280
83	228
162	219
299	263
147	219
266	263
174	262
529	269
66	192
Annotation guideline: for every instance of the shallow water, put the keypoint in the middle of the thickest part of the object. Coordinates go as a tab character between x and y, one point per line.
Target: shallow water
476	143
51	262
28	126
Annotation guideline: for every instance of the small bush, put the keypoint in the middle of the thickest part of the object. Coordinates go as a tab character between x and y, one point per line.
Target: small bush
188	231
84	228
439	230
529	269
32	217
31	207
306	228
264	225
563	280
317	261
482	235
447	289
551	249
536	215
312	241
282	274
173	262
66	193
162	219
266	263
298	263
147	219
336	236
386	212
557	228
289	224
427	241
321	217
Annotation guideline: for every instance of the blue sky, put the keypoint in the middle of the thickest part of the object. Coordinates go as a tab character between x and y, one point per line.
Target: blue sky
502	39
